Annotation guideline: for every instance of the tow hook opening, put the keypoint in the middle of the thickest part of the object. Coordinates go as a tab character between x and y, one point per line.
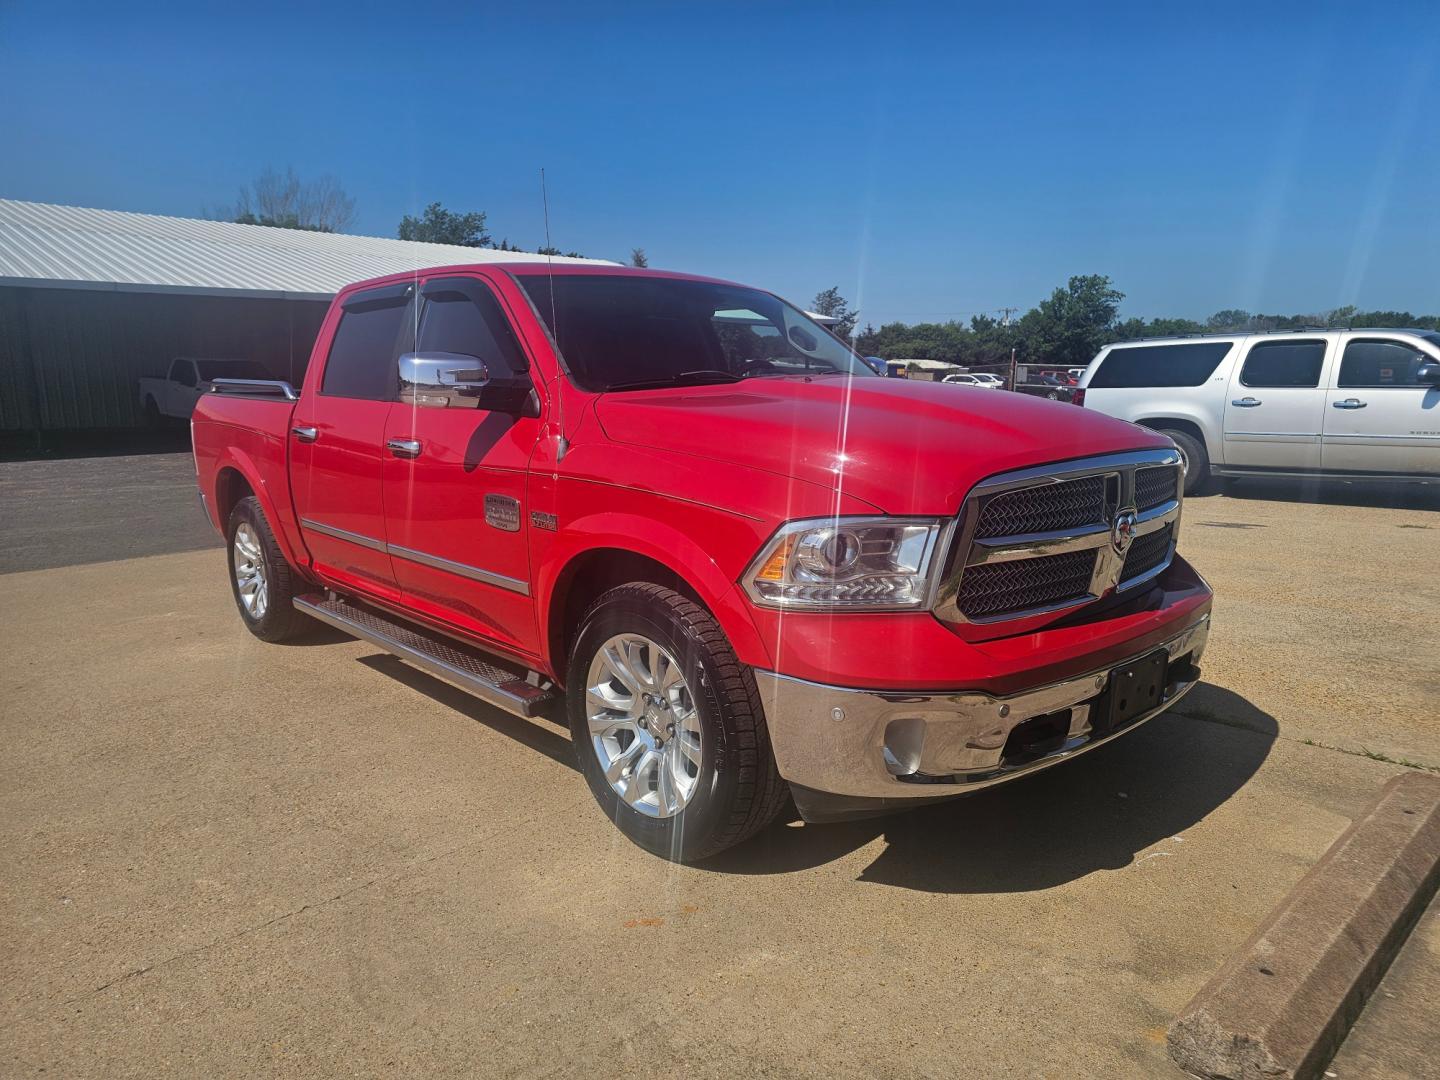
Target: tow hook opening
1034	738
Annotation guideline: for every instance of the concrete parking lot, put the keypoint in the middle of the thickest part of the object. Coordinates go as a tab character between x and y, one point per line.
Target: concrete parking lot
227	859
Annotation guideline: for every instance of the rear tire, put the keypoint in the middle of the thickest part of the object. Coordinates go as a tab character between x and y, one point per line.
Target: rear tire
153	419
678	700
261	581
1193	457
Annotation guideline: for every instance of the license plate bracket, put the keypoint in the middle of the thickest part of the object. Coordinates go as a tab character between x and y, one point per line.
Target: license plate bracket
1136	688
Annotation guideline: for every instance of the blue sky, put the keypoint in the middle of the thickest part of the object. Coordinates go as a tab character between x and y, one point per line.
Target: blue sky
931	161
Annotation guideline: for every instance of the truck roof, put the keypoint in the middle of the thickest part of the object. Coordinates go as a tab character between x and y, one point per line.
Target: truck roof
540	267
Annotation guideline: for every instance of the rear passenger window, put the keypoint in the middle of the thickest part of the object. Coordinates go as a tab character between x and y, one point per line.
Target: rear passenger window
462	316
1284	363
362	357
1380	363
1189	364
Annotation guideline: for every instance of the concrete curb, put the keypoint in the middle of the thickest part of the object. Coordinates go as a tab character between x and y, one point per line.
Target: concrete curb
1281	1005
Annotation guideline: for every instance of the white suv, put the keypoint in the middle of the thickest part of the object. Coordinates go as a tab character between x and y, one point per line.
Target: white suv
1347	403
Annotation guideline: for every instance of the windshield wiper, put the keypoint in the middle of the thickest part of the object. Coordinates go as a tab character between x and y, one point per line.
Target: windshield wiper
698	377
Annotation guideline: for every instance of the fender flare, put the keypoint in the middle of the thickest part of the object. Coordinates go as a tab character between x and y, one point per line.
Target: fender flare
282	524
665	545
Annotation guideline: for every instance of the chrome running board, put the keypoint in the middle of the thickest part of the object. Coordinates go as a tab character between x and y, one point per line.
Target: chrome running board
469	668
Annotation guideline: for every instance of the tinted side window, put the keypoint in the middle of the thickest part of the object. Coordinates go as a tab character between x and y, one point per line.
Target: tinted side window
1160	365
362	357
1380	363
467	319
1284	363
184	373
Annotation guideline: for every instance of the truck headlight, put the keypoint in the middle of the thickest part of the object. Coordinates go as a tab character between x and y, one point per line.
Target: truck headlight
850	563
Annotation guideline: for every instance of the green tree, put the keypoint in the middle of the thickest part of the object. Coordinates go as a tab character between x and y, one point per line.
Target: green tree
440	226
1070	327
1229	320
637	257
831	303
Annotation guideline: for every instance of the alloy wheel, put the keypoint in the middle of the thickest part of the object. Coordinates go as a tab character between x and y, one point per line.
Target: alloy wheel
248	558
644	725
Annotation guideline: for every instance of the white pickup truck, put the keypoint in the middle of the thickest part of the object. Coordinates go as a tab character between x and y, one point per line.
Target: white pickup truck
175	395
1329	403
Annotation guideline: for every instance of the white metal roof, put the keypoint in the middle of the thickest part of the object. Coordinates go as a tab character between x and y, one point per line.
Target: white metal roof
70	247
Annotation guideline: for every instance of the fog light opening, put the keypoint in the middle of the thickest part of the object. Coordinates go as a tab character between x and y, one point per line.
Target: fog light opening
904	744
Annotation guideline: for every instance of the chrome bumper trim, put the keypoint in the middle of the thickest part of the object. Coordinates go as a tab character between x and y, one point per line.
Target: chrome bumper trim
907	744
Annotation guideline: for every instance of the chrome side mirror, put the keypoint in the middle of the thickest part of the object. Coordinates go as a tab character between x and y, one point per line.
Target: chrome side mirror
440	380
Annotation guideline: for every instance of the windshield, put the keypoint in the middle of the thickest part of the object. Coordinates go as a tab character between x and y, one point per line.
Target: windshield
623	332
231	369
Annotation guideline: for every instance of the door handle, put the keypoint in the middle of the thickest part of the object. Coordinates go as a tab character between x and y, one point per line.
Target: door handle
404	448
305	434
1245	402
1348	403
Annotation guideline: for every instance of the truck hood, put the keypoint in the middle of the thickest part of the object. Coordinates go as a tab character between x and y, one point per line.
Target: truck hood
906	447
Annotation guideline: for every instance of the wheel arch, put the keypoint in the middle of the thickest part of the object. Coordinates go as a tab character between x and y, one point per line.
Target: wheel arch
1180	423
237	477
570	582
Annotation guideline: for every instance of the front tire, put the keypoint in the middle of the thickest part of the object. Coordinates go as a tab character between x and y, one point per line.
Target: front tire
1194	459
667	725
261	581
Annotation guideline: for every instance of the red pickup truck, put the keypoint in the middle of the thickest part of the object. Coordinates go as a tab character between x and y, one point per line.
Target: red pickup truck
748	566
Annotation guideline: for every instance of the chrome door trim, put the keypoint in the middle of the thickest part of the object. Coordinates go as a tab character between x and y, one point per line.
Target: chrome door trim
344	534
435	562
474	573
305	434
403	448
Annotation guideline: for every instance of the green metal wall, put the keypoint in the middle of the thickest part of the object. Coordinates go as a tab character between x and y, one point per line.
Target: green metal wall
70	359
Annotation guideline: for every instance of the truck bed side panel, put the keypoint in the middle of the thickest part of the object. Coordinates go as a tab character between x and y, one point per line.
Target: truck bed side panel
251	437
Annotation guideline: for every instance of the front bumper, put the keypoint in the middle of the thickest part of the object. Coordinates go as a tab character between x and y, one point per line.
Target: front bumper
904	745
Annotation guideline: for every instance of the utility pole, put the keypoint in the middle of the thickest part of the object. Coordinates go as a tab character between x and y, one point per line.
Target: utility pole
1005	313
1012	367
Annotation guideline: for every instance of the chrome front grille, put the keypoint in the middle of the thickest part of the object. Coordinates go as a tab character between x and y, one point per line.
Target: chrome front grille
1059	536
1042	509
1145	554
998	588
1155	486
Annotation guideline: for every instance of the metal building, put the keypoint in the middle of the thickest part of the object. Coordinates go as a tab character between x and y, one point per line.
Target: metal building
92	300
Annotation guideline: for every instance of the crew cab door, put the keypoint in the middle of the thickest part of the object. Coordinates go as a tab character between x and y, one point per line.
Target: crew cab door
1275	407
337	442
455	479
1379	417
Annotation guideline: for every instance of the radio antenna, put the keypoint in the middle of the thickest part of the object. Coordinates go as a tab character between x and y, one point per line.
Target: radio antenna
564	446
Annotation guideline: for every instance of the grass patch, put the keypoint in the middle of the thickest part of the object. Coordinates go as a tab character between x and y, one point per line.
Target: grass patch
1373	755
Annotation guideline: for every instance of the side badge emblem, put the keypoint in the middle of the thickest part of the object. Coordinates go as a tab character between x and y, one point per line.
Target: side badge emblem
541	520
502	512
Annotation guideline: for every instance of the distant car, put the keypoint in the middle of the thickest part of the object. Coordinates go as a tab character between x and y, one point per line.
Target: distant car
876	364
990	379
970	380
175	395
1047	386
